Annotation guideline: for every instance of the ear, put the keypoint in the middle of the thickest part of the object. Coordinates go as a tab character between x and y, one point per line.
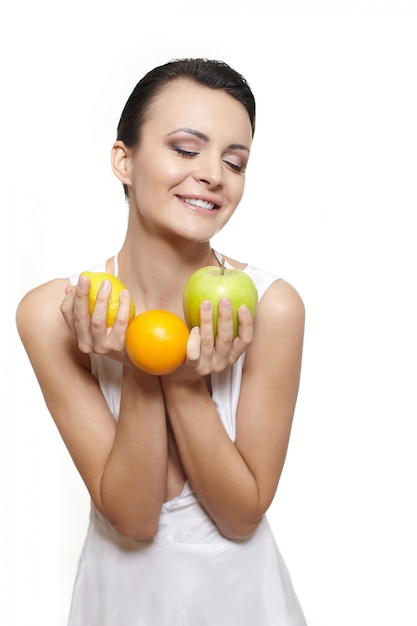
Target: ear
120	160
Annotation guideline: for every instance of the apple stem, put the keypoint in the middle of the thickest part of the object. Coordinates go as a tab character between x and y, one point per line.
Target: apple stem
222	267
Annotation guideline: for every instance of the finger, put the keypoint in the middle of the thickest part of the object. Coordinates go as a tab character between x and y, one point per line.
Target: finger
76	302
81	306
206	329
67	307
123	311
245	334
99	314
121	322
81	314
193	345
224	338
245	328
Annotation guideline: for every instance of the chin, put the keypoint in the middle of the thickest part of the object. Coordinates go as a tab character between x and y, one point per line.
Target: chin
199	235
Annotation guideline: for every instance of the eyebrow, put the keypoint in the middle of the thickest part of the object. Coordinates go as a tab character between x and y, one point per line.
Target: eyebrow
203	137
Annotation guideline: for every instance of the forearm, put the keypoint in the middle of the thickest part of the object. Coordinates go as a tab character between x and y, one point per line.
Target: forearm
215	469
134	480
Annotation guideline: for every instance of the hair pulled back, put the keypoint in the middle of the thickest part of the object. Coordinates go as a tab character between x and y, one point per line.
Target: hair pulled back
208	73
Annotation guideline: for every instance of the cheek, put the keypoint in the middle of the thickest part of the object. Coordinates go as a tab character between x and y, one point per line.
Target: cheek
238	189
159	170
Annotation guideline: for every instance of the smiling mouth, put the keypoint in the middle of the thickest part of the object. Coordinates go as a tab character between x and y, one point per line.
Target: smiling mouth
202	204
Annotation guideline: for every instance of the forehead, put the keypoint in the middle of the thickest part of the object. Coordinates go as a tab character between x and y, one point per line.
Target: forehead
183	103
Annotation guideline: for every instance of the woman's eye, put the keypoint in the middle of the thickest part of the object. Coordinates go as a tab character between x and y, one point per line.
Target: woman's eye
234	166
186	153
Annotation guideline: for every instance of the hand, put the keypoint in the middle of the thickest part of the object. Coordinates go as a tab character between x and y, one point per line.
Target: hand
206	354
91	332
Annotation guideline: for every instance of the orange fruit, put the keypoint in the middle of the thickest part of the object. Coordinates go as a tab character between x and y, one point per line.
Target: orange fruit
96	278
156	341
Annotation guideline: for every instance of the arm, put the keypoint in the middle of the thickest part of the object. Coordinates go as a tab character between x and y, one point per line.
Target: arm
122	464
236	482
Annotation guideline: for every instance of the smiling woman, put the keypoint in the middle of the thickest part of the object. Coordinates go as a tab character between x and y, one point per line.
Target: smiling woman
181	467
192	153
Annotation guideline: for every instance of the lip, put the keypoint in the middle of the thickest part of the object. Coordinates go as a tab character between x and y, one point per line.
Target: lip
204	198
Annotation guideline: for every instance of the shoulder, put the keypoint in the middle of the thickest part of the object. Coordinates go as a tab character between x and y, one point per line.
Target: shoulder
38	314
41	300
281	304
44	333
276	351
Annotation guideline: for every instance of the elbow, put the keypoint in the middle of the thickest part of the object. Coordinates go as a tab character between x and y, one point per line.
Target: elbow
239	530
136	532
136	525
133	527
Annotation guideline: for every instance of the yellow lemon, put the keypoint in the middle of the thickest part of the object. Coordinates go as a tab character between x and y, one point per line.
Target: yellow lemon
96	278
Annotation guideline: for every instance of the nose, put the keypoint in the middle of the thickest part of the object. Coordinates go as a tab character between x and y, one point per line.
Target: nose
210	171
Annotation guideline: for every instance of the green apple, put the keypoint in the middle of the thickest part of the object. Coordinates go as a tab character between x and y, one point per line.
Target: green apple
213	283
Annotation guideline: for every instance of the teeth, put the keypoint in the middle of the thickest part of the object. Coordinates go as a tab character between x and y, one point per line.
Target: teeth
200	203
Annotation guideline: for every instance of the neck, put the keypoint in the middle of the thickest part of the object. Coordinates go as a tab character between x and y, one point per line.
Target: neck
156	270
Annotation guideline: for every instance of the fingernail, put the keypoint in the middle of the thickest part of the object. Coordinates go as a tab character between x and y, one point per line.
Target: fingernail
82	281
225	303
105	286
206	306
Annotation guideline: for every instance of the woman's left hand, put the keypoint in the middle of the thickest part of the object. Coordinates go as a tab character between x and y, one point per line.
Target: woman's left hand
207	354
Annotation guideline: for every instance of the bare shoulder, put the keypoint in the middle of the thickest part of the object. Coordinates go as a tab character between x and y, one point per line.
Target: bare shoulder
40	306
38	317
283	300
280	315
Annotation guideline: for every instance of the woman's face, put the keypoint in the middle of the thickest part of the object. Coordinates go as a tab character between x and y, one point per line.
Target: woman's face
187	175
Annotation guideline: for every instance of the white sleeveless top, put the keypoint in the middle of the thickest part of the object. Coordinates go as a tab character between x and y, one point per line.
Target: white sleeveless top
189	575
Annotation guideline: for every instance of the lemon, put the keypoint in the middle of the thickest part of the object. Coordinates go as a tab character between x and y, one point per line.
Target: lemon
96	278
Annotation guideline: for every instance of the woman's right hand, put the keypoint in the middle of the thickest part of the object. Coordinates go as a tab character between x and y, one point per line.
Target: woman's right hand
91	332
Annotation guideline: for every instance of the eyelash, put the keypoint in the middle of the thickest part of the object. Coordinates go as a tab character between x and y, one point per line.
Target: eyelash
186	153
189	154
236	168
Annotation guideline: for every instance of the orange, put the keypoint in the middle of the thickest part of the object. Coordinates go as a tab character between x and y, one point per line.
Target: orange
156	341
96	278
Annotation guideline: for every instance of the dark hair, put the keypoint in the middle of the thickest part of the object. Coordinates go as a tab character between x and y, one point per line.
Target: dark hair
209	73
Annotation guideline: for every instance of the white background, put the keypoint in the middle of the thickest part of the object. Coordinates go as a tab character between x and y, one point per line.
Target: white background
330	201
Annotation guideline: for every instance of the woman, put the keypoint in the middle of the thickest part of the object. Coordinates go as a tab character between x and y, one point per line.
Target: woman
181	468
